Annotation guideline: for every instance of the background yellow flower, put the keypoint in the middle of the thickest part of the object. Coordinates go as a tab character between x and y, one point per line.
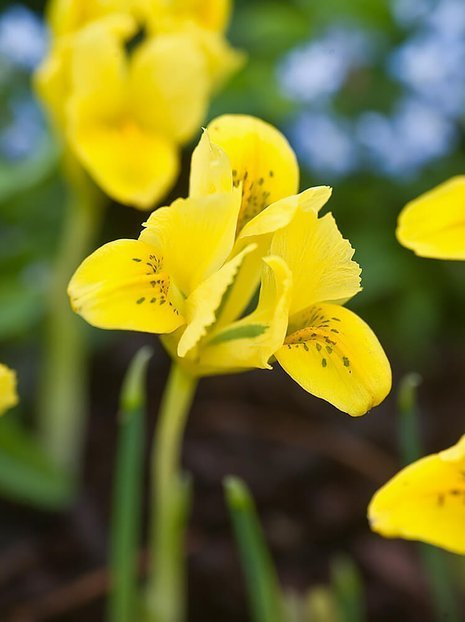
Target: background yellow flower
119	84
8	394
433	225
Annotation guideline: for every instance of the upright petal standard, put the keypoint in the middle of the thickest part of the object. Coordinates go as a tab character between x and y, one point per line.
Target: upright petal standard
243	272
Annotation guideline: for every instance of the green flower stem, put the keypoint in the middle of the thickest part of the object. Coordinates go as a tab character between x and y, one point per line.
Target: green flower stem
436	562
62	403
127	494
171	499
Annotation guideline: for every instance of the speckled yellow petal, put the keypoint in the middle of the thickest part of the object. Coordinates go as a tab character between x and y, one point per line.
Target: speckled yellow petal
320	260
169	85
112	155
8	394
197	235
210	169
259	229
251	341
202	304
336	356
261	159
425	501
434	224
124	285
279	214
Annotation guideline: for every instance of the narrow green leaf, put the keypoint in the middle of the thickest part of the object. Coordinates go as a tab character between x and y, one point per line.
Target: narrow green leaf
262	583
248	331
408	421
348	590
125	530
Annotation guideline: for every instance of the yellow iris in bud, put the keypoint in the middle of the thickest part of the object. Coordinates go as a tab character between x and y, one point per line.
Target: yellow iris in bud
434	224
425	501
241	272
126	91
8	394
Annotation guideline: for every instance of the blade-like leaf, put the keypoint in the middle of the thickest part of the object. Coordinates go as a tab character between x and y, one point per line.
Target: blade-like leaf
262	582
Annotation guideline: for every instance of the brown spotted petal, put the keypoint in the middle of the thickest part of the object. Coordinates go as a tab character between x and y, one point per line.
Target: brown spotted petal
262	162
123	285
425	501
334	355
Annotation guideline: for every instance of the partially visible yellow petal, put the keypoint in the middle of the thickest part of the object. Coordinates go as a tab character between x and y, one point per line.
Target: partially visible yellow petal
261	158
320	260
132	165
67	16
202	304
52	82
279	214
251	341
210	169
434	224
221	59
8	393
210	14
169	85
336	356
197	235
425	501
125	285
99	70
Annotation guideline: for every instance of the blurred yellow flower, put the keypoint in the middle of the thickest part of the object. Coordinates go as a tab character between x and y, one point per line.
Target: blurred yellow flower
434	224
194	271
126	96
425	501
8	394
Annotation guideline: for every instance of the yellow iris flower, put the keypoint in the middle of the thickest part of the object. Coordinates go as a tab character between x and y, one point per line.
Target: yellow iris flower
127	91
433	225
425	501
192	274
8	394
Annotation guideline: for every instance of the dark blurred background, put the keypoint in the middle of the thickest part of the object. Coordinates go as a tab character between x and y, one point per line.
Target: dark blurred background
372	97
